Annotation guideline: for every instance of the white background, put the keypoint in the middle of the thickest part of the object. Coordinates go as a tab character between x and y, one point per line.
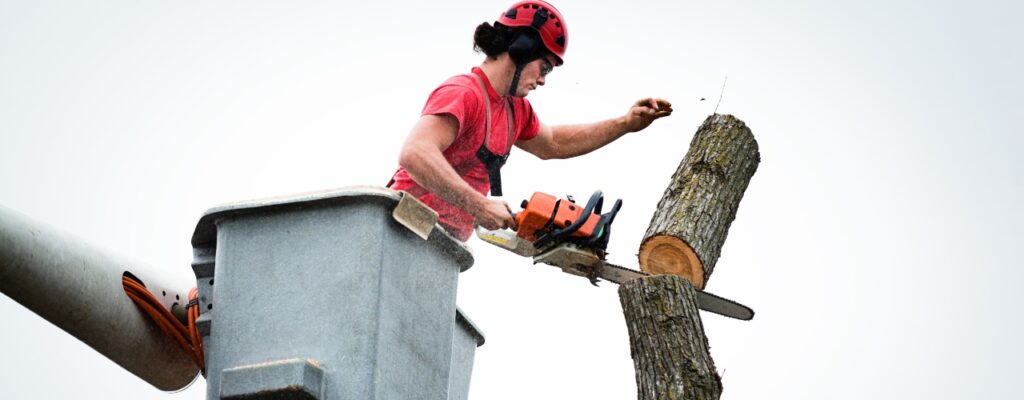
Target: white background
877	241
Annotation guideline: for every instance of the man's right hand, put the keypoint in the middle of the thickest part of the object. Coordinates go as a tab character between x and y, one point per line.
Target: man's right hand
494	214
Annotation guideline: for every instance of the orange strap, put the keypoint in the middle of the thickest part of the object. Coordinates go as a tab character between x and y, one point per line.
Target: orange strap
187	337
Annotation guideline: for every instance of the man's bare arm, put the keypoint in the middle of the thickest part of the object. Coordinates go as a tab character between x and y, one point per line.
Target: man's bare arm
422	156
567	141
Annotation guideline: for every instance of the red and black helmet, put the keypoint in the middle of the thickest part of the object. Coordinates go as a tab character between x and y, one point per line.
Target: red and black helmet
543	18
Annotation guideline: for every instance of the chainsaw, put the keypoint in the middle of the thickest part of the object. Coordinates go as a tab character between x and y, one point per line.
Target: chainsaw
558	232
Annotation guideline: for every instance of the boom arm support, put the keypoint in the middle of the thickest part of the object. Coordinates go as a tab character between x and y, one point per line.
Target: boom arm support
78	288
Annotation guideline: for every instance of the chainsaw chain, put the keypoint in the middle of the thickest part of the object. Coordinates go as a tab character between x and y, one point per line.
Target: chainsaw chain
620	268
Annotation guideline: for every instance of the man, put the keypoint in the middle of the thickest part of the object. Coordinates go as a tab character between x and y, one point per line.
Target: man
455	151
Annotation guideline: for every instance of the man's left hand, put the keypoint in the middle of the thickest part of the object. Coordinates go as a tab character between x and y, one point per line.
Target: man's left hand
645	111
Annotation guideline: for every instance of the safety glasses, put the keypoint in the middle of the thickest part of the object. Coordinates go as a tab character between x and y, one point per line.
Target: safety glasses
545	67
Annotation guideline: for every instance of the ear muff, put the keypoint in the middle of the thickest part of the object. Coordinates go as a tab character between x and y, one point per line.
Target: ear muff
525	47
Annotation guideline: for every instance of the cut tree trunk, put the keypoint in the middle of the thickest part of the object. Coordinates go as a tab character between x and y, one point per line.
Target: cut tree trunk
666	337
688	228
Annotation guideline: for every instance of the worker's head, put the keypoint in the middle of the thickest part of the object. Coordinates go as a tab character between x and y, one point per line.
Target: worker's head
534	35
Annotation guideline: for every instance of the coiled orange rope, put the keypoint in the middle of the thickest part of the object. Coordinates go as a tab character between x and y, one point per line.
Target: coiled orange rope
186	336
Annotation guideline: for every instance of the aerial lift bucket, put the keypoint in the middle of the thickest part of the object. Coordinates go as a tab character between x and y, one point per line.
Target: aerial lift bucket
329	296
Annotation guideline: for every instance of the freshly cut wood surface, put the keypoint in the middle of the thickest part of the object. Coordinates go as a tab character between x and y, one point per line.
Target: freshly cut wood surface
690	224
671	255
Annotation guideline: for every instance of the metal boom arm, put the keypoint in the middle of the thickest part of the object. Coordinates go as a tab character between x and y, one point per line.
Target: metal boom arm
77	287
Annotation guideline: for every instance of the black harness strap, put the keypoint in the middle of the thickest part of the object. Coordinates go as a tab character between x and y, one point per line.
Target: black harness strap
493	162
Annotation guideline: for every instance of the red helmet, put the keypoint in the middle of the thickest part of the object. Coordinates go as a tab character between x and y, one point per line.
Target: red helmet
543	18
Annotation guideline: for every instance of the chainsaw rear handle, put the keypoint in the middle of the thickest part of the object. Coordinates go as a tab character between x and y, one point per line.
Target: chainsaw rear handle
593	206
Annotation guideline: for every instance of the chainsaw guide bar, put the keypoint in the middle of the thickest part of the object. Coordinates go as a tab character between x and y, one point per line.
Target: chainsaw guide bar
589	263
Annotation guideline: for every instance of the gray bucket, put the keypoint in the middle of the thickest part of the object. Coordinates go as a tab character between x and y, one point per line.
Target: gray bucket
326	296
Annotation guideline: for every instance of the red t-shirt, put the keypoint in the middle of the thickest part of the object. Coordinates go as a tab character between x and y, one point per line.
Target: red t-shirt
460	97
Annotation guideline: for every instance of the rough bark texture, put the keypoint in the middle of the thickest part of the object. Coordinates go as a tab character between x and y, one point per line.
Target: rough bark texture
688	228
670	352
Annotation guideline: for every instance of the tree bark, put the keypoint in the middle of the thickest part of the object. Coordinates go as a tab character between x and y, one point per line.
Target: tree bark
688	228
670	352
682	244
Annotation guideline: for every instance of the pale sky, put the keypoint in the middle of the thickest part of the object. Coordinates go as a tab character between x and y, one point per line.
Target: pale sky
877	241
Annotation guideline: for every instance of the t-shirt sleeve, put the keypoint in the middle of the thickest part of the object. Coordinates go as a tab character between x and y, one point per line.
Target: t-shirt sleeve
530	124
457	101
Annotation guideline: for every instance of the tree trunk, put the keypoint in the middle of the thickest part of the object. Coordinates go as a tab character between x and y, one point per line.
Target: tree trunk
688	228
682	243
670	352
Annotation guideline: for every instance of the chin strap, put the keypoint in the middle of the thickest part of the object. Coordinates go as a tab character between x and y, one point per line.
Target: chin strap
515	78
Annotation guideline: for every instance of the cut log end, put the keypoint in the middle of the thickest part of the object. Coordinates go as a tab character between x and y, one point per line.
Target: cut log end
669	255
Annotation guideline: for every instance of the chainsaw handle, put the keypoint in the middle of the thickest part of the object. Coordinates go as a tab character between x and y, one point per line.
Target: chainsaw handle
595	202
605	224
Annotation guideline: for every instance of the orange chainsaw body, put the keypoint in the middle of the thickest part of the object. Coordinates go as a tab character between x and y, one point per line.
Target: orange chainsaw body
544	213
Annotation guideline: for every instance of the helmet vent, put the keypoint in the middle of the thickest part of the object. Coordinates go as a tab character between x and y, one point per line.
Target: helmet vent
511	14
560	41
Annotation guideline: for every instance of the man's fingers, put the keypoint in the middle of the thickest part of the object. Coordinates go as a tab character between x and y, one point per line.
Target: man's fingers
664	108
509	221
652	105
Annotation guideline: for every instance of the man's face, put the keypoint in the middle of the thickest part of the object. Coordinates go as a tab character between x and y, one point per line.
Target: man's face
534	75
